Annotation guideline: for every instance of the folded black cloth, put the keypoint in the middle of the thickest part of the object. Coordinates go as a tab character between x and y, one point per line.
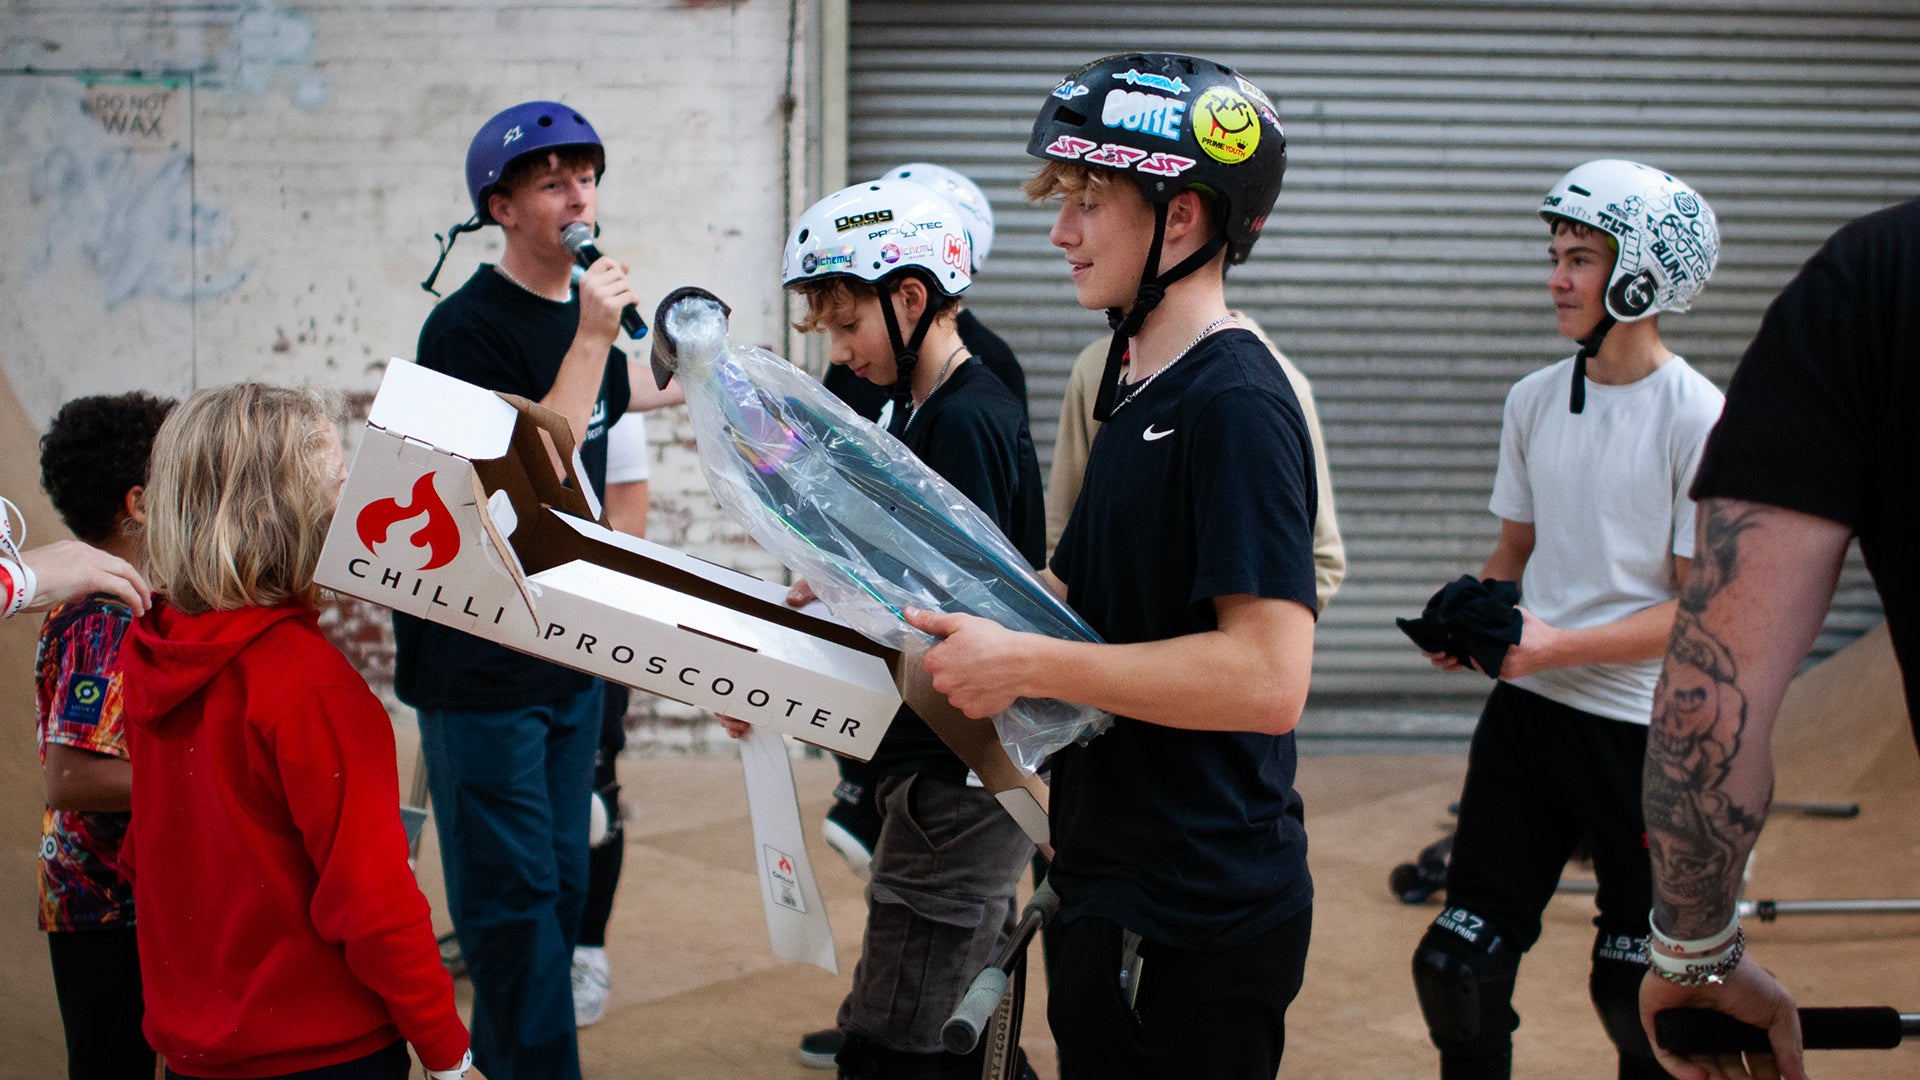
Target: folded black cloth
1471	620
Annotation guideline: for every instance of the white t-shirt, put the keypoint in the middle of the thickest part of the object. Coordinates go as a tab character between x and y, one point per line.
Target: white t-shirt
627	459
1606	492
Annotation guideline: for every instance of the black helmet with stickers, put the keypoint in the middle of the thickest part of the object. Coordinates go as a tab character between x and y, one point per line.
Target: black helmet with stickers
1168	122
1172	122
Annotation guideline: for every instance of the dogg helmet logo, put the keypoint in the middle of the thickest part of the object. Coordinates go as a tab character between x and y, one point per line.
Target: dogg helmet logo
438	535
1226	125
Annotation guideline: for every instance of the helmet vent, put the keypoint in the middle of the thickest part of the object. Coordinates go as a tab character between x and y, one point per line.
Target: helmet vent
802	238
1578	190
1070	116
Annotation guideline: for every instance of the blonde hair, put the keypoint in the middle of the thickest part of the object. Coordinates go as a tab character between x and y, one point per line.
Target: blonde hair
1065	179
240	496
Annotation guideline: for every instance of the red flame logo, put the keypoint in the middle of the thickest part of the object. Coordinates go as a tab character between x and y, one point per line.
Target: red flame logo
440	536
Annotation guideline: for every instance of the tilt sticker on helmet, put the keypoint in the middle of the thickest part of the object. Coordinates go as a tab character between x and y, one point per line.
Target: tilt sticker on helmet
1226	125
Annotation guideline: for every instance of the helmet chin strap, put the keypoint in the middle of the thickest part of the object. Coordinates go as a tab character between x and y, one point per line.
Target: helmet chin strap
1152	290
1589	346
906	354
472	224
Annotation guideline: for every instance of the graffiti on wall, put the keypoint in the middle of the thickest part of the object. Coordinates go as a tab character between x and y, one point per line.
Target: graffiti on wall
110	167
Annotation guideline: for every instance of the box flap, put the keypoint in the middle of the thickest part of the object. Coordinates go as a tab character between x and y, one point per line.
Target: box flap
442	411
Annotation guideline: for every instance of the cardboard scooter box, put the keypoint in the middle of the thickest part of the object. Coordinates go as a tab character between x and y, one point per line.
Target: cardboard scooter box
454	512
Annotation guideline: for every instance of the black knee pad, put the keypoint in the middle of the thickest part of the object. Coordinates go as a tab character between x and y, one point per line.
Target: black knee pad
1619	963
1463	972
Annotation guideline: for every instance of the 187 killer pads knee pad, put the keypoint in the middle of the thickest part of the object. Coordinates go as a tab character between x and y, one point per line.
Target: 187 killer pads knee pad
1463	972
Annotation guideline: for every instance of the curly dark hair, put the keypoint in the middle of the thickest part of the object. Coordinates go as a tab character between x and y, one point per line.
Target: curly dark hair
95	450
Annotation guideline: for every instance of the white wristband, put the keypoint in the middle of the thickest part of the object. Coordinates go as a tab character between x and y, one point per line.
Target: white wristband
1709	970
1695	947
455	1073
20	587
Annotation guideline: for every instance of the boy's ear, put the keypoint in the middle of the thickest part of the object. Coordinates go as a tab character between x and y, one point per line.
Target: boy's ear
912	295
1186	212
134	504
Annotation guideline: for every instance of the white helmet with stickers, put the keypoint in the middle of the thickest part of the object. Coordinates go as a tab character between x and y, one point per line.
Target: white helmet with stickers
965	196
1667	236
878	228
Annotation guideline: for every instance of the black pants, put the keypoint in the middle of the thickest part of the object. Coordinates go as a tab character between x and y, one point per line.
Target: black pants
604	861
393	1063
96	977
1541	776
1215	1013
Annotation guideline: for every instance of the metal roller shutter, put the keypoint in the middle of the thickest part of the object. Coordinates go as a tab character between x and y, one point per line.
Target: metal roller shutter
1404	269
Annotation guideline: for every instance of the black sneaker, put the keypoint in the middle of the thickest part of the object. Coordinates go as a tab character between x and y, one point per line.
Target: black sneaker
819	1048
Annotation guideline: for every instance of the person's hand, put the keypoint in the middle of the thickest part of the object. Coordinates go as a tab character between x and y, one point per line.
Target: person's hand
1750	994
1535	652
1446	662
604	293
736	729
977	666
801	594
68	569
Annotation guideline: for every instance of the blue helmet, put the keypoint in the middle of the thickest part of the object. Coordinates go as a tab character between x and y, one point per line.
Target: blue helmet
527	128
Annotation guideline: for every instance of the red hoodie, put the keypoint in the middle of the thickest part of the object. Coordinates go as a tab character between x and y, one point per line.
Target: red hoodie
280	926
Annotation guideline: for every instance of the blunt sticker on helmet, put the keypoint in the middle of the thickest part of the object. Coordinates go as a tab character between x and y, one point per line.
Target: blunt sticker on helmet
1149	114
1068	90
1226	125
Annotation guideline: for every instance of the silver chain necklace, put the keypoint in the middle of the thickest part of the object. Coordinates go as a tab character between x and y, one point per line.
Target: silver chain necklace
1134	392
913	411
508	274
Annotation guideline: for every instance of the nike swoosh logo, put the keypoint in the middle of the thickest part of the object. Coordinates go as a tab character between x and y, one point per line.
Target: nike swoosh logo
1150	435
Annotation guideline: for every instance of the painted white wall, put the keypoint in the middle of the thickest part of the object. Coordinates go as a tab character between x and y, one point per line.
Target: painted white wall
260	202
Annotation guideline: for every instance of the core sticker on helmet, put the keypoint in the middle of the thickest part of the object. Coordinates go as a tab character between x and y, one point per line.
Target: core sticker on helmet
1226	125
1149	114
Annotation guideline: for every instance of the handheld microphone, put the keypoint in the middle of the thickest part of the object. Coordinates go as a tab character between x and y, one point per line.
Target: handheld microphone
578	237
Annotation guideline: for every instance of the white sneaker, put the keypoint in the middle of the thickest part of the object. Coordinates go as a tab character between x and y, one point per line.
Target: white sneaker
590	985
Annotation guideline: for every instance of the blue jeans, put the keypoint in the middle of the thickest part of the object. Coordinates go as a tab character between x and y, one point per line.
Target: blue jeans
510	799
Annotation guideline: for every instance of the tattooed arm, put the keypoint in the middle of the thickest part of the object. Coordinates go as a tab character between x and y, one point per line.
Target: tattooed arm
1755	596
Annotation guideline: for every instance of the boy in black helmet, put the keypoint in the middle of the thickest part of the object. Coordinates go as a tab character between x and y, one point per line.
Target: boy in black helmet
1181	855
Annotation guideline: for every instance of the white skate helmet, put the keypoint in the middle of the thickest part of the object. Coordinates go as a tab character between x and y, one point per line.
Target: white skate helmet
965	196
1668	238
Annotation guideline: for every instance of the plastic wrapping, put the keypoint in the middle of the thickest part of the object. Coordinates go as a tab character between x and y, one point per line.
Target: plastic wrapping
849	508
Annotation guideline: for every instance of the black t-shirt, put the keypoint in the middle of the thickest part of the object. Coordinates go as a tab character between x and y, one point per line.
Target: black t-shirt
1821	414
868	399
973	433
1201	487
496	335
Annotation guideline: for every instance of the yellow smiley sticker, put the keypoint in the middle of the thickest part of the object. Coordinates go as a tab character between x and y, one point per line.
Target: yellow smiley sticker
1226	125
